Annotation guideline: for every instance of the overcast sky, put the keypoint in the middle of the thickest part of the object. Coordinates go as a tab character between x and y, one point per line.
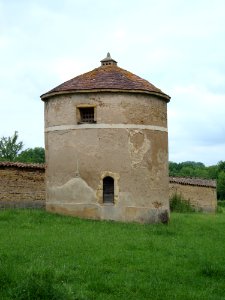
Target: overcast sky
177	45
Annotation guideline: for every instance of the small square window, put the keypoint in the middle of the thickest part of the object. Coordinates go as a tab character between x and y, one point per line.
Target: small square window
86	115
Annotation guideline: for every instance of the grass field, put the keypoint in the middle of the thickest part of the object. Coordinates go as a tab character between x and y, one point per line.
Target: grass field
46	256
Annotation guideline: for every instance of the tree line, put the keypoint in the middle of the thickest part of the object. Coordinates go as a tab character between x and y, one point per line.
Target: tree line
199	170
11	149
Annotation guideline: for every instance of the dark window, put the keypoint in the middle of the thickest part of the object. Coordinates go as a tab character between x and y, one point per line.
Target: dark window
87	115
108	190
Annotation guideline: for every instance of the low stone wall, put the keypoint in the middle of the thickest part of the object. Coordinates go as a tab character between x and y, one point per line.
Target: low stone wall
199	192
22	185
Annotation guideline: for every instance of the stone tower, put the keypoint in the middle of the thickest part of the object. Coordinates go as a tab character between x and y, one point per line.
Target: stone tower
107	146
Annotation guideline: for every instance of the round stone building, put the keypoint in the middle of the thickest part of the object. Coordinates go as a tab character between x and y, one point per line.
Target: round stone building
106	145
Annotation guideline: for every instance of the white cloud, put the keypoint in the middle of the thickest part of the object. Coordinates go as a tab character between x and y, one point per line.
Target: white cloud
196	122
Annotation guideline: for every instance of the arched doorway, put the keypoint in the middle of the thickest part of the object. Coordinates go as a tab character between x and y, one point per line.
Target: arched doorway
108	190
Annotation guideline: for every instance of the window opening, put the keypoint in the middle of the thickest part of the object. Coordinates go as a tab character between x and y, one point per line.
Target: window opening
108	190
87	115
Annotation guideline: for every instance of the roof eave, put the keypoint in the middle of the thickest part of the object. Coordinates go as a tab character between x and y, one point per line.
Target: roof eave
45	96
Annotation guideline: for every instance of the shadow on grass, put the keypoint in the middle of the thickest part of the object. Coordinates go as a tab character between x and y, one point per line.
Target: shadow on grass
213	271
40	284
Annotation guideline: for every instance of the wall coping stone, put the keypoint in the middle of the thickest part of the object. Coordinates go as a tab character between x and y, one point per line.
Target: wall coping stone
193	181
19	165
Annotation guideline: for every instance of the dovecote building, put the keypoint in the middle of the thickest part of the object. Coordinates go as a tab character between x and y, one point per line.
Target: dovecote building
107	147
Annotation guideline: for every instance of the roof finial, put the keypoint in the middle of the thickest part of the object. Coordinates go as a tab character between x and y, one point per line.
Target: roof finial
108	61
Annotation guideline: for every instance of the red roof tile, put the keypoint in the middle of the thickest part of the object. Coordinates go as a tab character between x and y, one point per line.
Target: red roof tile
4	164
107	78
193	181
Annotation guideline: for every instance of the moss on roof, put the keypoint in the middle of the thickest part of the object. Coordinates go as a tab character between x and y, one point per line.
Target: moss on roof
107	78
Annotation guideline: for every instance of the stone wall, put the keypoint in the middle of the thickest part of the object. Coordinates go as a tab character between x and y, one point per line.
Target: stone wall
22	185
199	192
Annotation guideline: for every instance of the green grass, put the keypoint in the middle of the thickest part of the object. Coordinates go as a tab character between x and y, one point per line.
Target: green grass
46	256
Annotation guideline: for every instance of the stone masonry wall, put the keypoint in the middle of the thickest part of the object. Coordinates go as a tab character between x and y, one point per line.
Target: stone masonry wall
21	187
202	198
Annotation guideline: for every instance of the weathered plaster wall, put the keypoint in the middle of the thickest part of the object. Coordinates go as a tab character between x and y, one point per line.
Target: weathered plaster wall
129	140
21	187
112	108
201	197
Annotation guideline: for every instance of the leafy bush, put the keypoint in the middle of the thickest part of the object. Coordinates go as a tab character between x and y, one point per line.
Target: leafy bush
179	204
219	209
221	203
220	206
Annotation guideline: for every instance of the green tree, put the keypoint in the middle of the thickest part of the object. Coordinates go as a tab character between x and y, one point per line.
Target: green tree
212	172
186	171
221	166
192	164
221	186
35	155
174	168
10	147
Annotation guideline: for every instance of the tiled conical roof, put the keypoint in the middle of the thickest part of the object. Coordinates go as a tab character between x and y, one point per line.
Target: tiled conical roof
108	77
